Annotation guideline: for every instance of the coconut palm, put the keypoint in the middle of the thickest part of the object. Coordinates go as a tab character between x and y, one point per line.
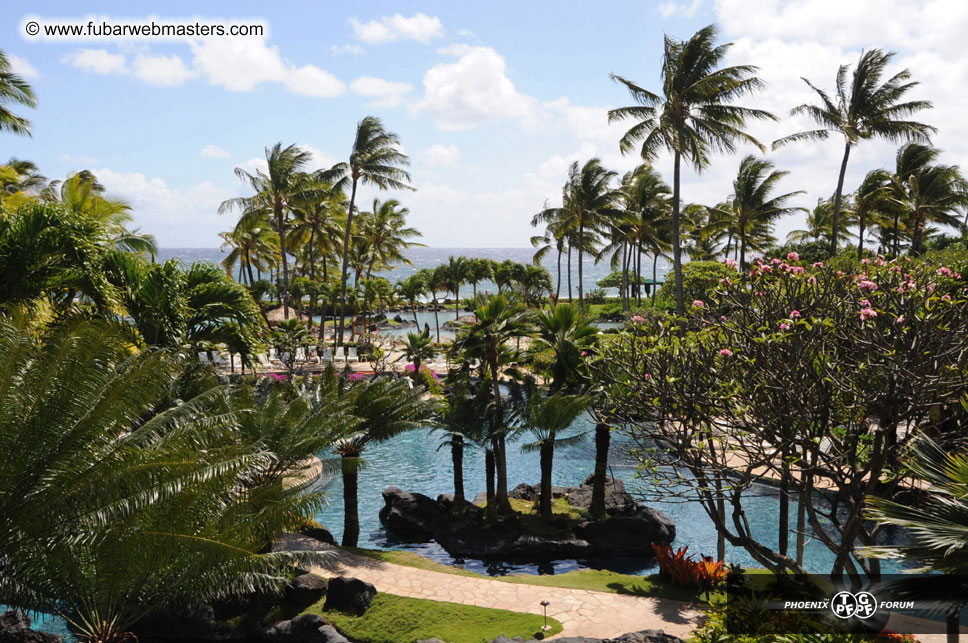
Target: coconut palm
753	204
147	506
477	271
546	417
435	281
250	240
375	159
566	331
646	199
277	192
383	407
14	90
411	290
487	340
864	109
418	348
692	117
455	274
820	224
463	421
387	235
316	222
926	191
870	204
21	176
547	242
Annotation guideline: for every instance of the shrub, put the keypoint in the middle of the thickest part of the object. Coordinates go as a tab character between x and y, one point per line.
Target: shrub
595	296
699	278
686	571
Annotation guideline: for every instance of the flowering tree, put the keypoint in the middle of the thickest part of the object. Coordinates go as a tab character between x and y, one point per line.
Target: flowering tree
807	375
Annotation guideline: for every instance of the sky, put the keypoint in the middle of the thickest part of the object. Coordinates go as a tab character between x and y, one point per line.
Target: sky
492	101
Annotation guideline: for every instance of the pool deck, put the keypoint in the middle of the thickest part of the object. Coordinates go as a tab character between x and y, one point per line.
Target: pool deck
581	612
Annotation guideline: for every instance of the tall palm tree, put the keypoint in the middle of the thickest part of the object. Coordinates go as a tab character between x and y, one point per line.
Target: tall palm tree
435	279
455	274
861	110
545	243
692	117
316	222
375	159
870	204
477	271
646	198
498	321
566	331
251	239
547	416
383	407
753	204
277	192
387	235
411	290
926	191
820	224
14	90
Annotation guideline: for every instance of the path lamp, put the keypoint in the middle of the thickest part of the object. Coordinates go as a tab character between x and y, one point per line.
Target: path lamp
545	605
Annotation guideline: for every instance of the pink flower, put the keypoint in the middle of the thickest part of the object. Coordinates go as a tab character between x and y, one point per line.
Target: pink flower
758	293
812	279
725	352
867	285
725	282
766	268
584	353
638	319
722	318
793	256
900	320
865	303
794	314
867	313
730	263
647	377
818	264
944	271
697	303
865	261
946	298
784	326
797	270
775	261
839	273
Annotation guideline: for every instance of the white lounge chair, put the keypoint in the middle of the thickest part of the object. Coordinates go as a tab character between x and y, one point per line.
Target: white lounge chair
340	356
300	354
327	356
352	357
263	360
218	359
203	357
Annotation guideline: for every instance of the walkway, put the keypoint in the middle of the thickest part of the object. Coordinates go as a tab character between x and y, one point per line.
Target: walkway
581	612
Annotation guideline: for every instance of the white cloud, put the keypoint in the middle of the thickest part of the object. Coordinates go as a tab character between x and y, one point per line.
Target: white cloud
474	89
178	217
465	33
215	152
166	71
22	67
440	155
353	50
387	93
98	61
310	80
419	27
667	9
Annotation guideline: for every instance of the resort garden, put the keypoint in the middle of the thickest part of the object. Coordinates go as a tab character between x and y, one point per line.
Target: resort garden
181	444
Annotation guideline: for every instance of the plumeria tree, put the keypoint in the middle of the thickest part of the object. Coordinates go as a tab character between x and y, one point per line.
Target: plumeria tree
811	376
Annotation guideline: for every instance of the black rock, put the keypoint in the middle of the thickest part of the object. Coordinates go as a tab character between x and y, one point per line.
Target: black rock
411	516
15	628
349	595
632	534
645	636
321	534
398	319
523	491
617	500
306	589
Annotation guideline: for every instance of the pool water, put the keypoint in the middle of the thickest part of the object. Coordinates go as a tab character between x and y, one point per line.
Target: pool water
413	462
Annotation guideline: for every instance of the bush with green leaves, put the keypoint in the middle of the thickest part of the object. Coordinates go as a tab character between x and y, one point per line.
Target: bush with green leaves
699	279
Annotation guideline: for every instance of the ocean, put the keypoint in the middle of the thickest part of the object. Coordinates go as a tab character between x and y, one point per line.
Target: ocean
432	257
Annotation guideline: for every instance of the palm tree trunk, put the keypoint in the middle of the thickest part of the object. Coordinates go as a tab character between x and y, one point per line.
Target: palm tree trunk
625	276
742	250
558	279
413	307
952	626
346	265
655	276
489	480
456	303
436	320
248	267
860	236
837	200
895	240
569	274
676	247
581	246
638	275
457	457
284	282
603	438
500	451
547	458
351	515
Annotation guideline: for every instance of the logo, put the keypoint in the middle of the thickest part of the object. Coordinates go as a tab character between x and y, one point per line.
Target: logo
845	605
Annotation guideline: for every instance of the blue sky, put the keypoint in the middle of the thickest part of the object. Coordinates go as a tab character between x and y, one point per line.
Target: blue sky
492	100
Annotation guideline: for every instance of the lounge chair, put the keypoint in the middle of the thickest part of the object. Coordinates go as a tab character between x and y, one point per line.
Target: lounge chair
352	357
327	356
300	354
263	360
340	356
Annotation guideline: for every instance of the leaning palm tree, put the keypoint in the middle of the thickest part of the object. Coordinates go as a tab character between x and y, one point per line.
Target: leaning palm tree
870	204
16	90
388	236
547	417
864	109
753	204
375	159
692	117
383	407
277	191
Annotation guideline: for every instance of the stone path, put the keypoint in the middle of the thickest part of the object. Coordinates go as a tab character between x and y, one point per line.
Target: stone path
581	612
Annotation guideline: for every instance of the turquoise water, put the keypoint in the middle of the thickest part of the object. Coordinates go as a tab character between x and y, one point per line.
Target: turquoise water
413	462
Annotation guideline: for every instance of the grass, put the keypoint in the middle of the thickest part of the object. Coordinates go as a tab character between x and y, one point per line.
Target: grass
590	579
394	619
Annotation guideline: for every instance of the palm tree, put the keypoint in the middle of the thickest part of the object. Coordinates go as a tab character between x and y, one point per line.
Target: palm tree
315	224
418	348
545	243
646	199
565	330
692	117
148	505
435	281
387	235
477	271
864	109
546	416
463	420
277	193
251	239
753	204
820	224
870	204
16	90
411	290
497	322
384	407
455	274
375	159
927	191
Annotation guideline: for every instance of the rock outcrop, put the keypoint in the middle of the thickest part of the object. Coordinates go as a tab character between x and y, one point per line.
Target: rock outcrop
15	628
350	595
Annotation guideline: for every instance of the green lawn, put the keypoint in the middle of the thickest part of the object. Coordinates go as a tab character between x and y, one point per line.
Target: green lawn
590	579
397	619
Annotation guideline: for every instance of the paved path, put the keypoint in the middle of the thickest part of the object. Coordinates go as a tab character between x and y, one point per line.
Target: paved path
581	612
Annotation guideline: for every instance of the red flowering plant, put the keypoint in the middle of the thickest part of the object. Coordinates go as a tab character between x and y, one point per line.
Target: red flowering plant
809	376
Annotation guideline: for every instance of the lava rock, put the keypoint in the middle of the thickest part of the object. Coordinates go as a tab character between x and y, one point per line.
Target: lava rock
523	491
632	534
321	534
617	500
306	589
529	547
15	628
411	516
644	636
350	595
